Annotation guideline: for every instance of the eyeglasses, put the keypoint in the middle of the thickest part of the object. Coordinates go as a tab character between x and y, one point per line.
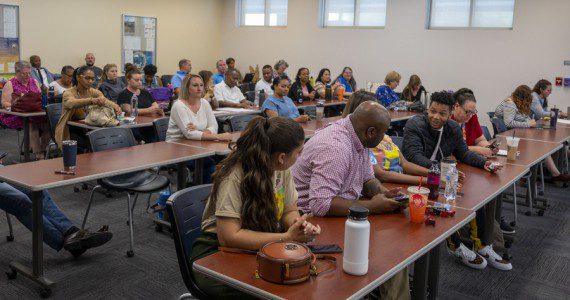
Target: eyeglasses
88	78
469	112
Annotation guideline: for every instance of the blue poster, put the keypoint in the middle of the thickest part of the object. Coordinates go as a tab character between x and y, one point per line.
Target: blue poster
142	58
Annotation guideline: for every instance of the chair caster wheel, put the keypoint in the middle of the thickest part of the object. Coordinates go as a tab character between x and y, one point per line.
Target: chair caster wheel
528	213
45	293
130	253
76	189
158	228
541	193
541	212
10	238
84	186
12	274
127	222
513	223
108	195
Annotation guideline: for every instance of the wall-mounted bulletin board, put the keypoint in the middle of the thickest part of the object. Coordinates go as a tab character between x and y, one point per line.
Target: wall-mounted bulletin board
139	40
9	38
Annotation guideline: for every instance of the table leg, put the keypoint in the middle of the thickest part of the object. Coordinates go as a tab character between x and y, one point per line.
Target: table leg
419	288
26	139
490	208
199	171
181	180
433	273
36	274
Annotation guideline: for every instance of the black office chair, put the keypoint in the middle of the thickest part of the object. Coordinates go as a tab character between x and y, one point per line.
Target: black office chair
486	133
166	79
185	209
53	112
250	96
239	123
310	110
160	128
140	182
398	141
10	236
499	125
491	114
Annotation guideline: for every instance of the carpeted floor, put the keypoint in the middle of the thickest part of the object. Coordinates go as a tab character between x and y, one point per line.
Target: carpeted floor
541	255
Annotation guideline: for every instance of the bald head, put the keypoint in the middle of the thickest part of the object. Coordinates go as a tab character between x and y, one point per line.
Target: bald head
36	61
370	121
89	59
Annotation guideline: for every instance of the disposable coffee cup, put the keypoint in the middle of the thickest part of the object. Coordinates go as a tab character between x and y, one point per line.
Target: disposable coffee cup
69	154
417	203
512	147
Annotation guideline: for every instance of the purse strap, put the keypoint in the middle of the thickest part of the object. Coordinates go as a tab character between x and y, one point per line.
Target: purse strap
236	250
330	264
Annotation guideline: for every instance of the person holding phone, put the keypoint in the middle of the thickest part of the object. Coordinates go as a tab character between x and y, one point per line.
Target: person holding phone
253	200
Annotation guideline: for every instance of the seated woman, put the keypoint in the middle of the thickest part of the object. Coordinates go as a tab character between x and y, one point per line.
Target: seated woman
207	76
515	112
280	67
385	93
20	84
75	100
347	81
302	88
253	200
414	90
279	104
322	81
151	81
64	83
539	107
111	86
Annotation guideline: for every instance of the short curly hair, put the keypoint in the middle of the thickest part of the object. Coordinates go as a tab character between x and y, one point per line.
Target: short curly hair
150	70
444	98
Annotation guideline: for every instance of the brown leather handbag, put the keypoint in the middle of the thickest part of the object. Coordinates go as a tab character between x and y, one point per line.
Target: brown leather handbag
287	262
27	102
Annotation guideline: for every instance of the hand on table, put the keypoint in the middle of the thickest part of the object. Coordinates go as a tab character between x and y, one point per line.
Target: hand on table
380	204
392	193
225	137
302	231
246	104
497	166
532	123
302	118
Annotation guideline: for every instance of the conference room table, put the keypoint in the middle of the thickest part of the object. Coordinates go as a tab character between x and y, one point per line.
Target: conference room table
559	135
89	166
315	102
26	127
140	121
395	243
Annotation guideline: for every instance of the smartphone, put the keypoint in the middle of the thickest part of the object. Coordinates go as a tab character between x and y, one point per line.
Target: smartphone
402	198
325	249
494	144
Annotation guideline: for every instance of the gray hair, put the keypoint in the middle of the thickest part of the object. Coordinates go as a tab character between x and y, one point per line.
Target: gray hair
21	65
281	63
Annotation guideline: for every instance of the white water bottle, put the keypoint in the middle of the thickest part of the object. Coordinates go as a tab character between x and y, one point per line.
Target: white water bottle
356	241
451	179
134	106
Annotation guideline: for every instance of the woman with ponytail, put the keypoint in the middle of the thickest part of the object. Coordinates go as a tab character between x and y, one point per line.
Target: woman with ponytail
253	200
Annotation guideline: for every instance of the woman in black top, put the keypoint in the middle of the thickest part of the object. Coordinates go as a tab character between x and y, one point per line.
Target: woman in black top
302	87
146	104
414	90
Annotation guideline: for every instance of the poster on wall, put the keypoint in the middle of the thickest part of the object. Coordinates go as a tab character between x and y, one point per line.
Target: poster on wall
139	40
9	40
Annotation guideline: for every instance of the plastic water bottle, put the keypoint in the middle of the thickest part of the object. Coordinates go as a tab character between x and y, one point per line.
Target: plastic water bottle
134	106
328	92
451	179
356	241
44	99
300	93
164	195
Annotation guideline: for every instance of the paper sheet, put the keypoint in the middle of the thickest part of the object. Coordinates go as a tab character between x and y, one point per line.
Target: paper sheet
149	45
132	43
128	56
561	121
502	153
241	110
11	68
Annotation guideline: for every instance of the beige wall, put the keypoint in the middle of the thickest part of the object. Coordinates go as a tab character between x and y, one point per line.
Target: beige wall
62	31
491	62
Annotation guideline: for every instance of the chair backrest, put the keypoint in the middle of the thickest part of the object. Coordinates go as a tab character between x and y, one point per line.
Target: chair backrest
111	138
239	123
398	141
160	128
250	96
53	112
491	114
310	110
166	79
185	209
498	125
486	133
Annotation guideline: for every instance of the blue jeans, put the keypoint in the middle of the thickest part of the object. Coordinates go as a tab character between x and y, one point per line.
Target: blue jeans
18	202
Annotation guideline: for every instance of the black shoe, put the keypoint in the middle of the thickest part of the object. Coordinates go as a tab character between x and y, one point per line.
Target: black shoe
79	241
506	228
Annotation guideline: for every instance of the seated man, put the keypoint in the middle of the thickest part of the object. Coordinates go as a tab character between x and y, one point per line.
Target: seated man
90	62
185	66
40	74
334	170
222	67
228	93
434	136
59	232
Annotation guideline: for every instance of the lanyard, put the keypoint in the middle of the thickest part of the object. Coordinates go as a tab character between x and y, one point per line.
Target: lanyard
434	154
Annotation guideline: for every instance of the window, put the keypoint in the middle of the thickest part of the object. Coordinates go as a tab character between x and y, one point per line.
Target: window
471	13
262	12
353	13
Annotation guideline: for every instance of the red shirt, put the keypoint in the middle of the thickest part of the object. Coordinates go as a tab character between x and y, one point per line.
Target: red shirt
471	130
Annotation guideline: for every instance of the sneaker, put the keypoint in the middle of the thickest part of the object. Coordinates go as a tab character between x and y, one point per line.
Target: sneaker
505	227
468	257
494	259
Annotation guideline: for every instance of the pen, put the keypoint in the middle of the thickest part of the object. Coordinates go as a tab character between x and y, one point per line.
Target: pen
65	172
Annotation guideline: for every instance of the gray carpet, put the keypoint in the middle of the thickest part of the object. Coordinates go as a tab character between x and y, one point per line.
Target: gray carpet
541	255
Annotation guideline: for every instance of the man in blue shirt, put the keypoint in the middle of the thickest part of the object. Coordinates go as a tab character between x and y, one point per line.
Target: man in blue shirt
185	66
222	67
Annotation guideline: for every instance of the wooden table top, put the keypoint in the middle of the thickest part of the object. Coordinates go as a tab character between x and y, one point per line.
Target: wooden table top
401	115
314	124
141	121
314	102
21	114
558	135
531	152
39	175
394	244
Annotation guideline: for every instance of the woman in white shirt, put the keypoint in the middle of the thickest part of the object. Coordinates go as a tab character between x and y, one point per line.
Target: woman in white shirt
191	116
64	83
